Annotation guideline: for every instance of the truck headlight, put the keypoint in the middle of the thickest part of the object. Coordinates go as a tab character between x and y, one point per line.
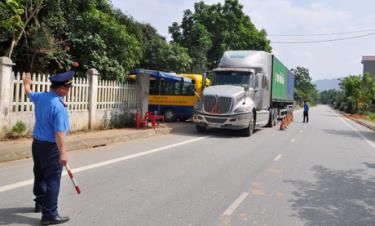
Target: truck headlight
242	109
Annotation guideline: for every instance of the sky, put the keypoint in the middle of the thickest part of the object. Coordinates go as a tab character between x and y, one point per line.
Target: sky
324	60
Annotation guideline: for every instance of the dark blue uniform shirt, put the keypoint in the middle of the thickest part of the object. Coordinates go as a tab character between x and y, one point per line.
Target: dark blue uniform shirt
305	107
51	115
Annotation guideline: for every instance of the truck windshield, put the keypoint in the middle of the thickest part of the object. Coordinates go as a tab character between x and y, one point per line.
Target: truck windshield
236	78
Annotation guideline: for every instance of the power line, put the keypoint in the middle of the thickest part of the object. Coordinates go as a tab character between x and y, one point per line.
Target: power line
320	34
322	41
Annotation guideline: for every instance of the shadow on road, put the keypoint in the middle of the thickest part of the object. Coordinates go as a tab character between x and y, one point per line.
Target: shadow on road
350	133
186	128
338	197
226	133
370	165
347	133
15	216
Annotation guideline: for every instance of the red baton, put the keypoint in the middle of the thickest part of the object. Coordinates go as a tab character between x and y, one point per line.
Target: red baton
72	179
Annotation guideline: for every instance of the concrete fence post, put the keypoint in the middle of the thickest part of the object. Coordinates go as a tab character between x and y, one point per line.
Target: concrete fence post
144	82
6	94
92	76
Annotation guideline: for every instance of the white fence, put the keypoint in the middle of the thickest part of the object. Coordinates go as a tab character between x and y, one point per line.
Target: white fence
92	103
77	97
111	94
117	95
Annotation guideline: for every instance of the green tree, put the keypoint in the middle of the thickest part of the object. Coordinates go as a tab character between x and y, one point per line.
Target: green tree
212	29
56	35
159	55
15	17
37	39
328	96
367	93
44	47
195	38
359	92
351	86
303	88
110	49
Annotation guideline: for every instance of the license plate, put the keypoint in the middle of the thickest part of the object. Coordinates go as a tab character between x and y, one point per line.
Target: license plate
214	126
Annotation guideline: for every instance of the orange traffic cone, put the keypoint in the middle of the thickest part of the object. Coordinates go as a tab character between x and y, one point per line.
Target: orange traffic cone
289	119
283	124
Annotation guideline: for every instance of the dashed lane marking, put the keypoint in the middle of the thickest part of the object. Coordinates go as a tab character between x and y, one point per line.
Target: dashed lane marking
235	204
278	157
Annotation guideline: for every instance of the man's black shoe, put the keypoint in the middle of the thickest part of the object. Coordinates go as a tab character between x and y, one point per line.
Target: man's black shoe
55	220
38	208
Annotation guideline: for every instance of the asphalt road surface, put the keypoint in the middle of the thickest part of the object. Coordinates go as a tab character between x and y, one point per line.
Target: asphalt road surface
320	173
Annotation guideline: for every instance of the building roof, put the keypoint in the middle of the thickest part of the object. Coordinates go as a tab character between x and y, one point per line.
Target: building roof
368	58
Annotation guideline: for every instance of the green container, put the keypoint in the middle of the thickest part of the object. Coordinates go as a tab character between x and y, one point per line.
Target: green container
279	81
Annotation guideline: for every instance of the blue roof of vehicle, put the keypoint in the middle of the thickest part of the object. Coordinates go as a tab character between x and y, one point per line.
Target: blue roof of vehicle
170	76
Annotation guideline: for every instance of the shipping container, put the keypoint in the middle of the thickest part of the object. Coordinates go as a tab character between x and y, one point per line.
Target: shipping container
282	82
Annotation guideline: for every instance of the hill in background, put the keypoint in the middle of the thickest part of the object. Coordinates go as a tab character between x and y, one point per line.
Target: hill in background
327	84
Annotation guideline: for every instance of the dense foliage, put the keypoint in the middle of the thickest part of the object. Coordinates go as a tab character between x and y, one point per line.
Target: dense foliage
356	94
56	35
212	29
303	88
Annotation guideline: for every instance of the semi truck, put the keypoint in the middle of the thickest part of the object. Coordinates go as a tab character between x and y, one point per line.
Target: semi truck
250	89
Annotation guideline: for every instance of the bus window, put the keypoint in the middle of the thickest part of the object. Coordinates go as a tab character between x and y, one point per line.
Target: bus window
154	87
187	89
177	89
166	88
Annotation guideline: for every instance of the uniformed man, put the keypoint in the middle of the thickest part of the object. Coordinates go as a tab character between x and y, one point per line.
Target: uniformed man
305	112
48	149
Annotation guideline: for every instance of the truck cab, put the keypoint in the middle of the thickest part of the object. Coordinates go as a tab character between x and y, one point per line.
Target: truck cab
239	97
230	102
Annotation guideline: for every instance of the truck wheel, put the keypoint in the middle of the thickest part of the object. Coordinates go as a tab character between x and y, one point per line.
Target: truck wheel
249	131
201	129
271	120
170	115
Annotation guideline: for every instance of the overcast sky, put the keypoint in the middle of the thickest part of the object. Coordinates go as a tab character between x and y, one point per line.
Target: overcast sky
325	60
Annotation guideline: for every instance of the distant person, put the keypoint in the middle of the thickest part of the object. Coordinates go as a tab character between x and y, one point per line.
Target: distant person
48	148
305	112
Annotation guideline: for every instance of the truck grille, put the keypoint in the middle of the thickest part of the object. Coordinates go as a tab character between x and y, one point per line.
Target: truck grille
217	105
216	120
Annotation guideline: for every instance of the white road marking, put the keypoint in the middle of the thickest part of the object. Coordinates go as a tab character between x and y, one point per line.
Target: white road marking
16	185
358	132
293	140
104	163
235	204
278	157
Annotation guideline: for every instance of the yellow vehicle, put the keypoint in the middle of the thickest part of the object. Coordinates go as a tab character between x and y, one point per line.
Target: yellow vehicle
173	95
197	79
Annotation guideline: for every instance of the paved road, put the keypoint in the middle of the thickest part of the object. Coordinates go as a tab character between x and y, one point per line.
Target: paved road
320	173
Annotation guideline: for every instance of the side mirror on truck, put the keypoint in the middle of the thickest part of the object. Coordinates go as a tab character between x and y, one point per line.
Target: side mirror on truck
204	77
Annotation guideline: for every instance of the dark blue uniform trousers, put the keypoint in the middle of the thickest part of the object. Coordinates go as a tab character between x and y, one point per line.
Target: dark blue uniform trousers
47	176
